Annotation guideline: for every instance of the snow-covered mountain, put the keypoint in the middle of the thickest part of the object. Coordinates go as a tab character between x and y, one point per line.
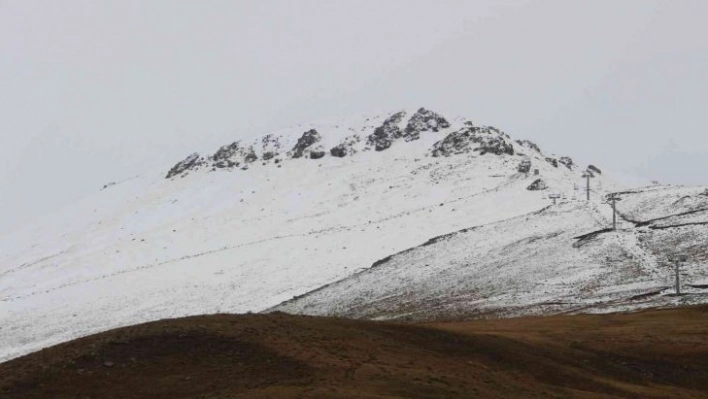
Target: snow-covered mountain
263	220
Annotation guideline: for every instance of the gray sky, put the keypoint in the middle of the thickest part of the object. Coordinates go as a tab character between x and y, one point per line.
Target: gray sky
96	91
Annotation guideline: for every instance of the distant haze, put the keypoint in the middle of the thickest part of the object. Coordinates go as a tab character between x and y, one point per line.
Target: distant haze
92	92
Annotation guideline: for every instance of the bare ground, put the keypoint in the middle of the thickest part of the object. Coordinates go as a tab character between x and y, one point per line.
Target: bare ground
651	354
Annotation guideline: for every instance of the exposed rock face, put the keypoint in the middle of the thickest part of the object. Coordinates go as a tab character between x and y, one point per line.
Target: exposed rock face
594	169
338	151
227	151
397	126
346	146
422	121
233	155
567	161
192	162
552	161
528	144
270	146
485	139
383	136
316	154
226	163
308	138
537	185
250	155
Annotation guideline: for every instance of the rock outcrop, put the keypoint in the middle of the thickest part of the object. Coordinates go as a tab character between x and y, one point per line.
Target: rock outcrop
384	135
339	151
537	185
399	126
307	140
485	139
422	121
567	161
316	154
194	161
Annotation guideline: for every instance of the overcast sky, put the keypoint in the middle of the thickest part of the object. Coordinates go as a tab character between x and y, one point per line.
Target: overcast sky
96	91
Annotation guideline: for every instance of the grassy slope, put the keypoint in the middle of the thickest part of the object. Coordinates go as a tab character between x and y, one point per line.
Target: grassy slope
651	354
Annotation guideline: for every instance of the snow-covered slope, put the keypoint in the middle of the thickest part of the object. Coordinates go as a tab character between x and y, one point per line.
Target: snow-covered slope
559	259
266	219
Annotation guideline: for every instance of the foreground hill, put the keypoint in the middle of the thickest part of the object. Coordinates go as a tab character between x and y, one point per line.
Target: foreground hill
653	354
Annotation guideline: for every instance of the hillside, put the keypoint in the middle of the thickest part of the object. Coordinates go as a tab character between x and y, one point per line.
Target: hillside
656	354
266	219
556	260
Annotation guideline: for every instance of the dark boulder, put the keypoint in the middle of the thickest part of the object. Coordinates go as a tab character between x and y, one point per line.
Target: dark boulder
339	151
316	154
537	185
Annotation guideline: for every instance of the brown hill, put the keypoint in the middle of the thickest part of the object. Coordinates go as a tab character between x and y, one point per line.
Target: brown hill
653	354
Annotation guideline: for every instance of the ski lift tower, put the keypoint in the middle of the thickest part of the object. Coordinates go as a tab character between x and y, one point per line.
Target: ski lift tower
554	197
612	200
588	175
678	259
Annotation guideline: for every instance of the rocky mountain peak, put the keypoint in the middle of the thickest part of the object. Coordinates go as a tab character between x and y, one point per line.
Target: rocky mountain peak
339	141
422	121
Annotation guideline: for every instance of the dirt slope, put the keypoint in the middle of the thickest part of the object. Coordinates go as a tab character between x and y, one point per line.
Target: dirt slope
653	354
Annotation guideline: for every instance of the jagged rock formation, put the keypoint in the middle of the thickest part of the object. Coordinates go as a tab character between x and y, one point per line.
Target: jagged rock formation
552	161
233	155
567	161
270	147
422	121
383	136
485	139
399	126
191	162
308	139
